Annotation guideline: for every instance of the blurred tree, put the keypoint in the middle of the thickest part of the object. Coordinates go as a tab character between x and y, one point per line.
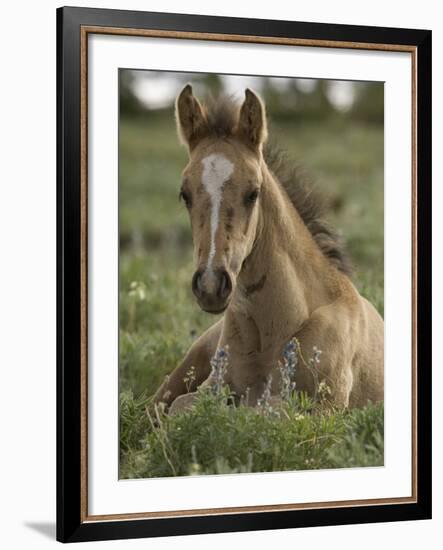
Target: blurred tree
129	103
297	102
369	103
314	104
280	100
213	84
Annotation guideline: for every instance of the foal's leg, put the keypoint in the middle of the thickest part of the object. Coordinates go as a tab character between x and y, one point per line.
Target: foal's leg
198	356
332	330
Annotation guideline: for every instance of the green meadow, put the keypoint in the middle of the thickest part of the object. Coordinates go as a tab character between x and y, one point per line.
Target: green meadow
159	318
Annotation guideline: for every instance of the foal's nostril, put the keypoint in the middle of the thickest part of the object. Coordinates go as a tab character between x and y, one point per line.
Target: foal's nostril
225	287
211	287
196	284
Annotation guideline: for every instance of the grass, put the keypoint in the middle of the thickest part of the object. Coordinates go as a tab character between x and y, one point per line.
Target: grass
216	438
159	317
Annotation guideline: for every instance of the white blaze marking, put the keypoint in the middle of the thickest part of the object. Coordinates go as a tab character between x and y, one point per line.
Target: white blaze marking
217	169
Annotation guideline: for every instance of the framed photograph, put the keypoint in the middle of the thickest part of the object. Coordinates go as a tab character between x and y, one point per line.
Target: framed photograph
244	274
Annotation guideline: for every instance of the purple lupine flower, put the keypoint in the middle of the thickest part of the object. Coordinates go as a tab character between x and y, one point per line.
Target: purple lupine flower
219	364
288	368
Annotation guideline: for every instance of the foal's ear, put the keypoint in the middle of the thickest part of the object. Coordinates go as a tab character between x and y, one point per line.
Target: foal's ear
252	126
191	120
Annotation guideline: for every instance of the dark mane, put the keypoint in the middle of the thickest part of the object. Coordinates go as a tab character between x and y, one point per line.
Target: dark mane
222	116
310	204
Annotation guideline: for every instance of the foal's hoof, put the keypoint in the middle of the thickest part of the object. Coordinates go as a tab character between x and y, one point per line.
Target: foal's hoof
182	403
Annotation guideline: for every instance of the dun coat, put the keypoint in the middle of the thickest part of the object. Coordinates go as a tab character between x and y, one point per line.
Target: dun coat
266	260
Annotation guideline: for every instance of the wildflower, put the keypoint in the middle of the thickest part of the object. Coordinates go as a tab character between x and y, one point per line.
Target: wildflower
287	369
264	401
316	357
137	291
324	391
189	378
244	398
219	364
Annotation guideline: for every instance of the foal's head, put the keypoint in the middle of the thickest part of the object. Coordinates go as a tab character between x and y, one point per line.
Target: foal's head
221	190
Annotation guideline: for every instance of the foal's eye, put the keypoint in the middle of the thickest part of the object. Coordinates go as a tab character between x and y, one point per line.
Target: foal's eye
186	198
251	197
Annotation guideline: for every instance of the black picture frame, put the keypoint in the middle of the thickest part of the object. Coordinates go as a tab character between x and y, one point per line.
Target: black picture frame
71	524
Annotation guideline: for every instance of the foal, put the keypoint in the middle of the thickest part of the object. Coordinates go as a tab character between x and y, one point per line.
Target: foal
269	264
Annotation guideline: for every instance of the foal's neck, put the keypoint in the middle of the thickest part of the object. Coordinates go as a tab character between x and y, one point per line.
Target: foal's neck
286	277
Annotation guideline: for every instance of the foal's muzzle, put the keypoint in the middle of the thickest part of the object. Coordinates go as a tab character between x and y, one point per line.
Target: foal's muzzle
212	288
